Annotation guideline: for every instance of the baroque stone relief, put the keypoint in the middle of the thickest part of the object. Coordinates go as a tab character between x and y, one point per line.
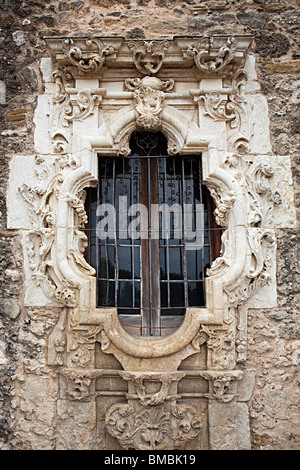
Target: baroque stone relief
152	415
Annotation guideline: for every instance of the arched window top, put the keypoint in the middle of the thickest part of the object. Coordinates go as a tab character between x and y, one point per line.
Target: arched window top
146	144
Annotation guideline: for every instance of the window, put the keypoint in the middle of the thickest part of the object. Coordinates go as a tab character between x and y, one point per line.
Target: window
150	235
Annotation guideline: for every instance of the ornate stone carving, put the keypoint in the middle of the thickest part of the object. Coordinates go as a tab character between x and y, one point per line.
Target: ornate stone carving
201	52
150	399
79	383
148	96
223	203
148	56
89	60
224	260
262	244
153	417
77	253
154	429
219	340
254	175
82	343
69	105
221	383
82	107
228	105
42	199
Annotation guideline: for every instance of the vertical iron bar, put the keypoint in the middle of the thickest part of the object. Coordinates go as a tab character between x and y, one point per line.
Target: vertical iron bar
166	239
183	200
201	202
115	238
99	185
105	244
149	246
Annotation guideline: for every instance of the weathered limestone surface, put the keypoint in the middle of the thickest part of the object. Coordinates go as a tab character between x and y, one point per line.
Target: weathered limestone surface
36	411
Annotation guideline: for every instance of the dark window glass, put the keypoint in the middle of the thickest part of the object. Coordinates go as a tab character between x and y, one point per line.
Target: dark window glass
151	234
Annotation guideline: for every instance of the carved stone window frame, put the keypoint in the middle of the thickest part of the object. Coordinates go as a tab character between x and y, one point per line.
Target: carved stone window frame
193	90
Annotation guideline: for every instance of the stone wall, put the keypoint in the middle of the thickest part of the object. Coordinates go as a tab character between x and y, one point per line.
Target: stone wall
27	412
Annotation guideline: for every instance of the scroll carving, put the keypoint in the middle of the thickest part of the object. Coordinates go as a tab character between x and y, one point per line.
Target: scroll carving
90	60
255	176
201	52
40	241
230	108
150	399
219	340
82	343
148	56
68	108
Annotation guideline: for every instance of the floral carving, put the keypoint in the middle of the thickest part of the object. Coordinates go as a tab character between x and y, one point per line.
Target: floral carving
155	429
67	110
261	243
41	200
77	203
254	175
223	203
230	108
69	105
219	340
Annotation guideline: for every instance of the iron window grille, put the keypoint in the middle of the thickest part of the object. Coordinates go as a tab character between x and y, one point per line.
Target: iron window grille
152	235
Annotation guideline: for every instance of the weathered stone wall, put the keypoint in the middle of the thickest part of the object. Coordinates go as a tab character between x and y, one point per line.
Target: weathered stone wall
27	413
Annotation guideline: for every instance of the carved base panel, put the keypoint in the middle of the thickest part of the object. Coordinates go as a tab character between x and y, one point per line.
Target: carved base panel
161	427
189	410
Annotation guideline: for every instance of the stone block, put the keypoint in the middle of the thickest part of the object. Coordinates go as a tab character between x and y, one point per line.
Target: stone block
2	92
253	19
243	428
18	38
283	67
257	110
